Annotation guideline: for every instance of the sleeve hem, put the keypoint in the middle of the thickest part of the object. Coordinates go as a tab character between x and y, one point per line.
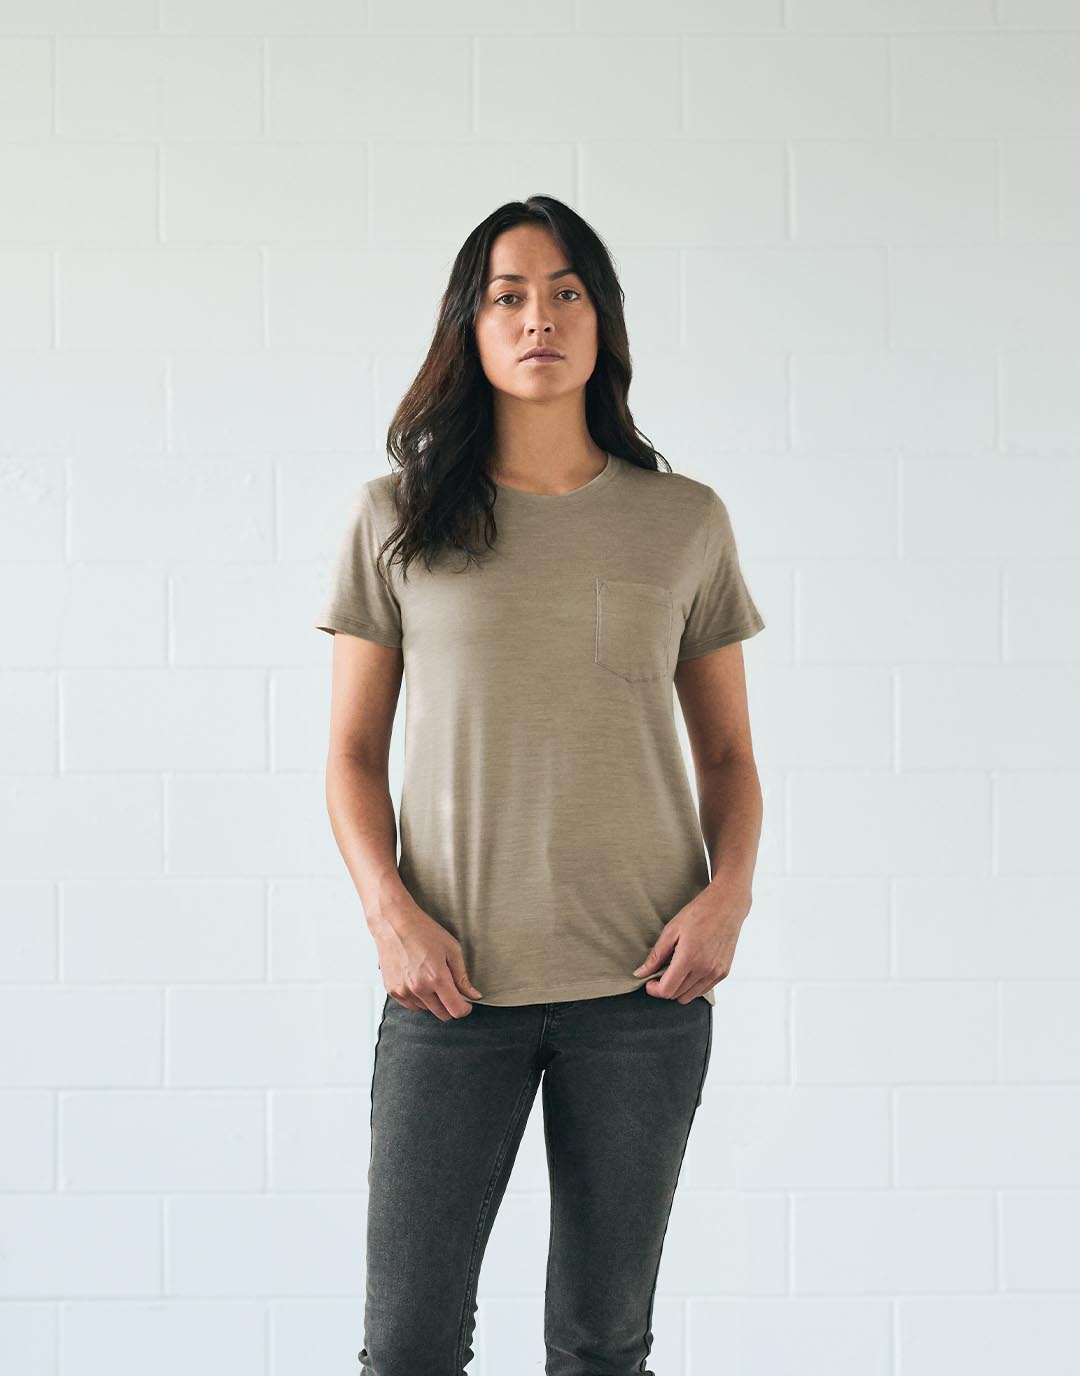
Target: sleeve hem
350	626
716	642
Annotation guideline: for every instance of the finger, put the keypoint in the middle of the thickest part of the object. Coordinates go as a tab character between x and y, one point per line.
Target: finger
668	984
434	1005
461	979
696	990
677	976
454	1001
454	990
683	983
446	1002
681	993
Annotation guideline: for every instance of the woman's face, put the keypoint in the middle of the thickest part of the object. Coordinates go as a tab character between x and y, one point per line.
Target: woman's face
531	300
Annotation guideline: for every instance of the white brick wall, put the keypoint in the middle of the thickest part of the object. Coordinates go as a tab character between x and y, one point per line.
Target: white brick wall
848	234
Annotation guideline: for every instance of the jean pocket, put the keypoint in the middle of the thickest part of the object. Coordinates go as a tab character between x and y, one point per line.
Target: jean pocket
633	628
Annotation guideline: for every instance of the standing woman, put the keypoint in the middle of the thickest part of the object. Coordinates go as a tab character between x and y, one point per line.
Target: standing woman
551	919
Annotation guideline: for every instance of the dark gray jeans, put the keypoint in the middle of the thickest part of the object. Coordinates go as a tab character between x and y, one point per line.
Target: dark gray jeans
622	1079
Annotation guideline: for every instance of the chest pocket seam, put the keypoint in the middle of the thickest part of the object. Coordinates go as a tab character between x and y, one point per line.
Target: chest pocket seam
633	628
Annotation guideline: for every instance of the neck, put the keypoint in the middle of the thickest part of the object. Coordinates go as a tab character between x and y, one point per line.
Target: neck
558	471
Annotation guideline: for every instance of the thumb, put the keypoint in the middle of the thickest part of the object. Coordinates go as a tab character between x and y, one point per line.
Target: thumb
657	956
457	968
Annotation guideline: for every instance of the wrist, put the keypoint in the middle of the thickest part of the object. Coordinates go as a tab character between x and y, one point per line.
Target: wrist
734	888
391	907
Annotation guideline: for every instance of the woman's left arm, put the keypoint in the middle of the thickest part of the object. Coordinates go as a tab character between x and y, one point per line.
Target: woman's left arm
712	694
698	943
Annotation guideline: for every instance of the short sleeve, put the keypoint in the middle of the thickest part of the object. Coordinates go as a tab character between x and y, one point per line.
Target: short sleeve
722	610
361	601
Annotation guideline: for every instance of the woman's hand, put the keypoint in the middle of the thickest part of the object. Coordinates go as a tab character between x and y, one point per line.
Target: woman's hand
422	964
698	944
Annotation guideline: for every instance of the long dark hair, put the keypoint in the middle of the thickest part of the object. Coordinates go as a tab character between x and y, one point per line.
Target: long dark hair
443	428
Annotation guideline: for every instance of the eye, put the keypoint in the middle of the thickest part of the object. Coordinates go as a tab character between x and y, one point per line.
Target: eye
505	294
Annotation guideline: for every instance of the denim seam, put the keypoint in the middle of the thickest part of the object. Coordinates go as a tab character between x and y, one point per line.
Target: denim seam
671	1201
374	1063
473	1268
371	1119
551	1231
705	1067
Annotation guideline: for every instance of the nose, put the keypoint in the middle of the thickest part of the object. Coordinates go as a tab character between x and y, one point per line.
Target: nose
541	338
537	320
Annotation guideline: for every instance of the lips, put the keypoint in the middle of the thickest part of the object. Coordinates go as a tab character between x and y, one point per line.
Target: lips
541	353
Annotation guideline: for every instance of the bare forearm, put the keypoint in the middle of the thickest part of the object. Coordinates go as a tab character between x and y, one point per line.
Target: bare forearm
362	819
730	809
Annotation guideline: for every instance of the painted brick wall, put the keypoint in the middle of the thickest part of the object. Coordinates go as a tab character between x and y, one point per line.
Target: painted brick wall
848	236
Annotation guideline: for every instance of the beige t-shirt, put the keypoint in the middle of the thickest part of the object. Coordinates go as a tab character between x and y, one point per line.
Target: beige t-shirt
546	815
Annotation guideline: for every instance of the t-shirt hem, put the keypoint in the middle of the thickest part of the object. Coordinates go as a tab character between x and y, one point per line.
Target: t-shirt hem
333	624
564	993
716	642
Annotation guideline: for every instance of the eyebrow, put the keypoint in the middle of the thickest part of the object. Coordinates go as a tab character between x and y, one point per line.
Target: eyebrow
517	277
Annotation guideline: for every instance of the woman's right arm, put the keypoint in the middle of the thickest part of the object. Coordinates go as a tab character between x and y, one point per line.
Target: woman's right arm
365	687
421	962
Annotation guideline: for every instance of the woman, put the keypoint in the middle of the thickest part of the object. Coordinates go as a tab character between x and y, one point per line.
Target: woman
552	918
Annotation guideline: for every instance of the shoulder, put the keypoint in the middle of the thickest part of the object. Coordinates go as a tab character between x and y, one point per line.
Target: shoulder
691	499
376	497
378	491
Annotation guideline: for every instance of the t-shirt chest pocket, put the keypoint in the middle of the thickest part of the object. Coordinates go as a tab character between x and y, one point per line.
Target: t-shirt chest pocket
633	628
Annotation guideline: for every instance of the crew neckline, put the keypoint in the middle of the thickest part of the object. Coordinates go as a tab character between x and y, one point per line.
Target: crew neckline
601	480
